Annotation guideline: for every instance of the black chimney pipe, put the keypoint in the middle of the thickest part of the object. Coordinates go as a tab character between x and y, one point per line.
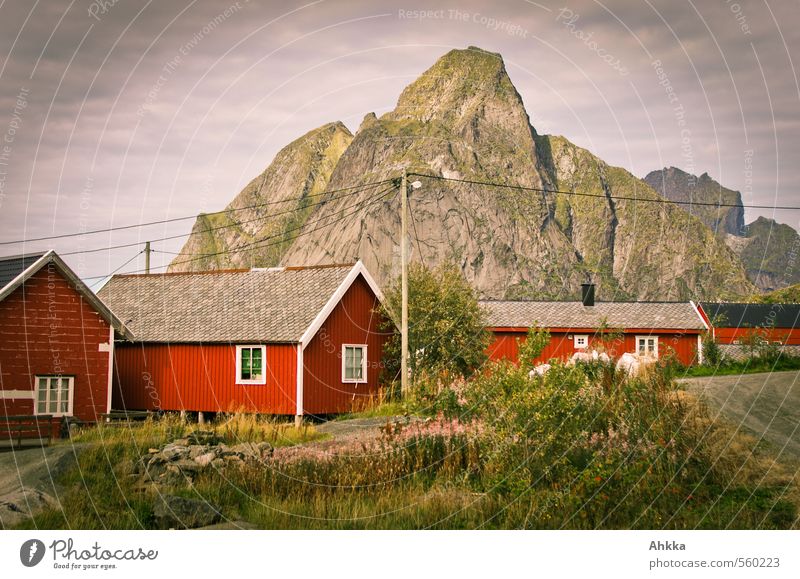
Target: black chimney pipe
587	294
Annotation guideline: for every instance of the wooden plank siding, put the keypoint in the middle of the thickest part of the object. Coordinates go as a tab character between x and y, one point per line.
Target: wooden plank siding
201	377
785	336
48	328
504	345
353	321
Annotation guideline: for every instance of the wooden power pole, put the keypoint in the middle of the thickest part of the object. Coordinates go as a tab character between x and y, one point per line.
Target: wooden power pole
404	285
147	257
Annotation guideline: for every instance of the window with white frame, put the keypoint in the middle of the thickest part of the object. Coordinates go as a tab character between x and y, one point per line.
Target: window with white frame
54	395
581	341
647	346
354	363
250	364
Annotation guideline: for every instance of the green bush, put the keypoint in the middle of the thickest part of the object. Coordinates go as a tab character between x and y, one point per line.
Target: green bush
446	326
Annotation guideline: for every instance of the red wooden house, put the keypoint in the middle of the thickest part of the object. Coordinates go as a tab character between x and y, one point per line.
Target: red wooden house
736	323
56	341
656	328
292	340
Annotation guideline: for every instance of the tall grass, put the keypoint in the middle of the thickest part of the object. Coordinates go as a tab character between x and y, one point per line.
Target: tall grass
582	447
232	428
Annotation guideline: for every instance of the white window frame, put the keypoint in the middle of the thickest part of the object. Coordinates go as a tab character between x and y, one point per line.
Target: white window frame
650	337
363	379
239	379
70	394
585	338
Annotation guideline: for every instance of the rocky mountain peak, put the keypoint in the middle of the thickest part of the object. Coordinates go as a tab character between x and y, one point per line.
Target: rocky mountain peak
459	85
464	118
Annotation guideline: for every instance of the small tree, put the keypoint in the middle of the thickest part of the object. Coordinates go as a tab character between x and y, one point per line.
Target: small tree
533	346
712	353
446	326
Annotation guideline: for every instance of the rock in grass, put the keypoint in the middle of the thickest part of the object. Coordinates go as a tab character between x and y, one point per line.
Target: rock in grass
202	437
180	512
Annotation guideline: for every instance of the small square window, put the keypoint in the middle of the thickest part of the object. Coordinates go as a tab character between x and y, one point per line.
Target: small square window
250	363
54	395
354	363
581	341
647	346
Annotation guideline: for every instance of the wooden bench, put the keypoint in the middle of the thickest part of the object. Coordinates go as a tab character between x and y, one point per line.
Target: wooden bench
124	417
21	428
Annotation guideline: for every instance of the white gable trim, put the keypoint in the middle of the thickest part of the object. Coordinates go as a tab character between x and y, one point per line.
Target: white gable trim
699	315
299	393
80	287
110	383
24	275
316	324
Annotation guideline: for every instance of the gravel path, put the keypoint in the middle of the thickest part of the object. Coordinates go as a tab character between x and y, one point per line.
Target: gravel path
358	427
766	404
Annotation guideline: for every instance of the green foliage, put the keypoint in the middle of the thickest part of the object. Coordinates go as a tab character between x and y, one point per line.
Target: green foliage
446	329
787	295
532	347
712	353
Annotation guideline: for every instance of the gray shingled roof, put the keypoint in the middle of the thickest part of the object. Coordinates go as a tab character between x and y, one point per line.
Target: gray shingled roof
663	315
272	305
741	315
11	267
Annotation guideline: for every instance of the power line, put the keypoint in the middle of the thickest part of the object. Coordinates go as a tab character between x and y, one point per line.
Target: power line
184	218
217	228
119	268
382	195
253	244
599	195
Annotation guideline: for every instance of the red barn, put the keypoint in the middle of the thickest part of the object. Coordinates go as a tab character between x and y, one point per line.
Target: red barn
736	323
288	340
657	328
56	341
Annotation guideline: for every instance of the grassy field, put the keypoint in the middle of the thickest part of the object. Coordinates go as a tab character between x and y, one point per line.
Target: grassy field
581	448
751	366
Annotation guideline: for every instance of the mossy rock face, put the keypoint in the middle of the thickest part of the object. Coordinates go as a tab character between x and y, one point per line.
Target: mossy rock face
770	254
768	250
265	217
464	119
677	185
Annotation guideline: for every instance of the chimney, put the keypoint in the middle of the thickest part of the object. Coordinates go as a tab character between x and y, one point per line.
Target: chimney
587	294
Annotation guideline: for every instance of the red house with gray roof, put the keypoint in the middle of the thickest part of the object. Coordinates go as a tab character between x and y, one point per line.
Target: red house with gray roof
290	340
656	328
56	341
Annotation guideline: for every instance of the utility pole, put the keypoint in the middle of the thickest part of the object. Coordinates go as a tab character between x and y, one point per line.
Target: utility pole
147	257
404	285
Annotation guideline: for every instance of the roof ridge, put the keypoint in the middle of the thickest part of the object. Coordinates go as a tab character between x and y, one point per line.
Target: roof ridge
175	273
492	300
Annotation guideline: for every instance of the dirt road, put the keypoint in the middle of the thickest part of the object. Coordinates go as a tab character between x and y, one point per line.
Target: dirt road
767	405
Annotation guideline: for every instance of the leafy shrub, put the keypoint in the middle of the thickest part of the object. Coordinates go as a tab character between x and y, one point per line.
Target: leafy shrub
712	353
446	326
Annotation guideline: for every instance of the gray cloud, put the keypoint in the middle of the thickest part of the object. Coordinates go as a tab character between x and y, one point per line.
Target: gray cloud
166	109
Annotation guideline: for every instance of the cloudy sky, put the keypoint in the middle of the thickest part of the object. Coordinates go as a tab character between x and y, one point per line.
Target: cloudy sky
128	111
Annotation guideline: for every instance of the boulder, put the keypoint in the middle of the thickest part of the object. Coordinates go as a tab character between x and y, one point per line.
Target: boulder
206	459
539	370
20	505
202	437
635	365
180	512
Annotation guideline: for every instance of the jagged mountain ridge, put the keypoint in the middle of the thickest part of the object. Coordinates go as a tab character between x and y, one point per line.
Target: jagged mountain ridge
280	199
677	185
463	118
768	249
